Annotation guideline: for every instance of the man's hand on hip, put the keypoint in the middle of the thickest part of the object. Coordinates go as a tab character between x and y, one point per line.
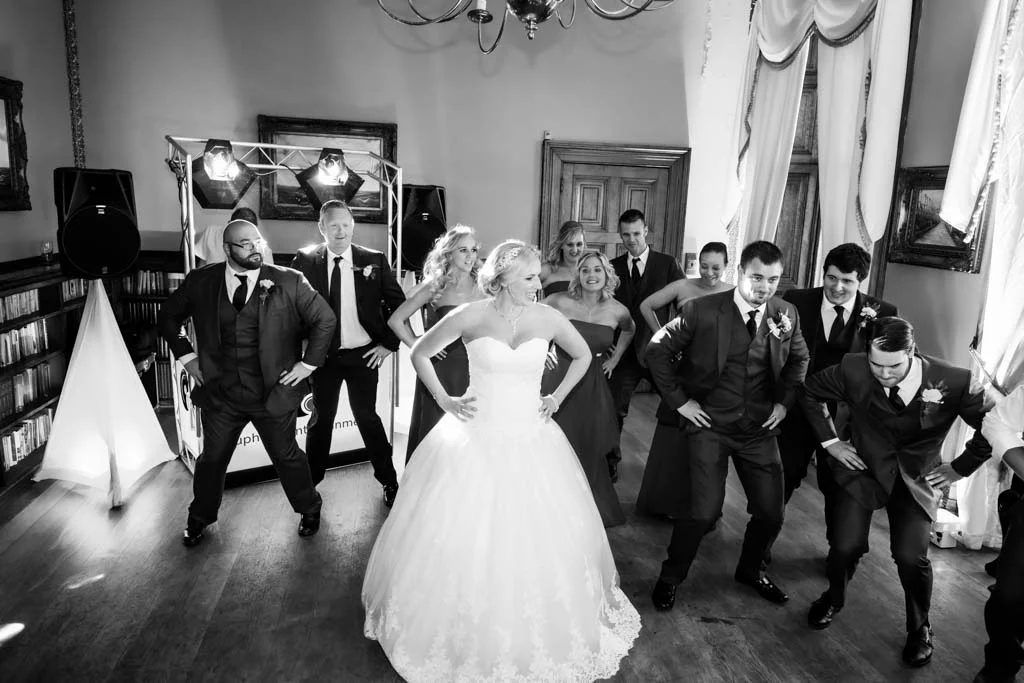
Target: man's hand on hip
375	356
192	368
298	373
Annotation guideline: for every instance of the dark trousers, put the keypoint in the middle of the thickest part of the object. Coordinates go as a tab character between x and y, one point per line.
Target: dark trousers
222	426
348	367
755	455
1004	611
909	528
797	444
626	376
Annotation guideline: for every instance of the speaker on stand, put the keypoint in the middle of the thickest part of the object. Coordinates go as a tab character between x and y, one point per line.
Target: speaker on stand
424	220
96	222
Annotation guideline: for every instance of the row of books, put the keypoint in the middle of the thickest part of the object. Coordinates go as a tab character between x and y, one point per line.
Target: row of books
27	387
164	382
151	282
27	436
73	289
20	304
24	341
146	312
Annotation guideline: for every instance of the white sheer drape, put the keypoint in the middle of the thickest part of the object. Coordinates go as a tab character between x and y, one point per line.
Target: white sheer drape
986	183
105	433
861	71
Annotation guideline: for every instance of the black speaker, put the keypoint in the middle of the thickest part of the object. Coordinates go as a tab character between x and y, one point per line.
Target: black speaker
424	220
96	228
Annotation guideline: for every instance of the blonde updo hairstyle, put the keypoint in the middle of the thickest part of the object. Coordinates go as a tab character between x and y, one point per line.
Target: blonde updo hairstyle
611	280
500	261
437	267
569	229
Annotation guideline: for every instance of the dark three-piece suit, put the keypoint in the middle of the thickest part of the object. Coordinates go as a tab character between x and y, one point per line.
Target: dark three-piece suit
242	353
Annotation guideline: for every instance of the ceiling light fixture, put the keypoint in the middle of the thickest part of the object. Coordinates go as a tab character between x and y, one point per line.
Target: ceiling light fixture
532	13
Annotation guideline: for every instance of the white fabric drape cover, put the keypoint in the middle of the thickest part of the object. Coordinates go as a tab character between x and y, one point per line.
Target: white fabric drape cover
105	433
861	72
987	167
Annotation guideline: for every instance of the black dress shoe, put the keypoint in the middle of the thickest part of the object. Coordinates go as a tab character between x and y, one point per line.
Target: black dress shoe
663	596
193	536
992	568
918	650
390	491
309	524
765	588
821	613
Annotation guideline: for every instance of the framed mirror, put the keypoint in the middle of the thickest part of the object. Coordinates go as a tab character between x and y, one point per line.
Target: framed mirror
13	149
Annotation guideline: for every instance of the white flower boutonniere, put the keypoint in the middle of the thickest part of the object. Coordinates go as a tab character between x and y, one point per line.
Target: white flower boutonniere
367	271
931	397
265	286
780	324
867	315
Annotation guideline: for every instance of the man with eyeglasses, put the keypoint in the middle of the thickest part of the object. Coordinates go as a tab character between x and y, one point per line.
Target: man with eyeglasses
250	319
363	293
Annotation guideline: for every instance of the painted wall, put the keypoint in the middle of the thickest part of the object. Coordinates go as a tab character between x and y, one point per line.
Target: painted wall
32	51
943	305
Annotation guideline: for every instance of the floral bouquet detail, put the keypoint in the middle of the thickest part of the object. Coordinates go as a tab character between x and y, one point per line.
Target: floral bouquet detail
780	324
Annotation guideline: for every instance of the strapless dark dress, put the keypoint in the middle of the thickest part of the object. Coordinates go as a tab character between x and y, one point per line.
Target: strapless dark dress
452	370
555	287
587	416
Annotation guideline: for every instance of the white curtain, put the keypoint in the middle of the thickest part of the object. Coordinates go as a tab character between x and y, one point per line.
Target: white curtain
105	433
985	185
861	70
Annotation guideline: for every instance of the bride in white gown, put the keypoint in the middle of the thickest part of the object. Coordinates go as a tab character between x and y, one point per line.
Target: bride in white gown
493	564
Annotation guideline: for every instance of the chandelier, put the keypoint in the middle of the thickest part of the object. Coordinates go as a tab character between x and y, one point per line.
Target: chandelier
532	13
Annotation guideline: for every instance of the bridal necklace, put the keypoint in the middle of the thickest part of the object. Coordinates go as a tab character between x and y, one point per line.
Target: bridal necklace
511	318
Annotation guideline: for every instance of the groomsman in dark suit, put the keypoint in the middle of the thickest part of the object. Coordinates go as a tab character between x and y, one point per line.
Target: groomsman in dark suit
901	406
835	319
743	358
250	319
1004	611
642	271
362	291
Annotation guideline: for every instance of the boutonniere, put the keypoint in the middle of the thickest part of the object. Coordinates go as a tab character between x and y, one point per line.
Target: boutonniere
780	324
867	315
367	271
931	397
265	286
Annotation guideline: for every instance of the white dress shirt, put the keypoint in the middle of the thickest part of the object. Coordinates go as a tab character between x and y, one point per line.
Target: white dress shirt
1004	423
907	389
745	308
641	264
828	312
353	334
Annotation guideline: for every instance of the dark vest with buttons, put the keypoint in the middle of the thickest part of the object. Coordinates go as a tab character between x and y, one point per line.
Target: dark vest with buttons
825	355
744	389
241	380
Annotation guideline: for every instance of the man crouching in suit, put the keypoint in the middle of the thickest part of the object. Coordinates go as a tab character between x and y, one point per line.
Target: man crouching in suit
360	288
249	319
901	406
743	358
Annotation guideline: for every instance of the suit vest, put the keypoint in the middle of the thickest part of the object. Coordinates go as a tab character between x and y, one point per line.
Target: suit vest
241	380
825	355
744	386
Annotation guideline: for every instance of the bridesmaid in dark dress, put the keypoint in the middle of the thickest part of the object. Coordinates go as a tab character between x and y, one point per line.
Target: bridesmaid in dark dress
587	415
449	280
562	256
663	492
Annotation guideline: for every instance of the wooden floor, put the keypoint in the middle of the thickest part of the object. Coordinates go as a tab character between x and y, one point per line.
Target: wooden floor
114	596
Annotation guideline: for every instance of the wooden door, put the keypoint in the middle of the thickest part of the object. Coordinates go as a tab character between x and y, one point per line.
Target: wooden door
594	183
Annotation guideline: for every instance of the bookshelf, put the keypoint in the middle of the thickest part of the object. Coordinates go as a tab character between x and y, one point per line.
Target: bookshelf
40	311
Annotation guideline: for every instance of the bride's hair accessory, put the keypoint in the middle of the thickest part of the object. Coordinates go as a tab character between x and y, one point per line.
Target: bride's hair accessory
501	260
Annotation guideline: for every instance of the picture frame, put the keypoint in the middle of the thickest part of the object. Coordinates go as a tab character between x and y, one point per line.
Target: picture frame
918	236
280	194
14	194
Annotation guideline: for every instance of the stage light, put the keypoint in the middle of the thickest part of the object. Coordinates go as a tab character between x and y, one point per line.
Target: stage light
218	179
329	178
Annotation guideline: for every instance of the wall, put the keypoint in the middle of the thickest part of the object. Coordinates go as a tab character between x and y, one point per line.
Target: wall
470	122
943	305
32	51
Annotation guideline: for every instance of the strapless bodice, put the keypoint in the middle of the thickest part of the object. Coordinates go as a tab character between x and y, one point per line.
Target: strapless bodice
506	380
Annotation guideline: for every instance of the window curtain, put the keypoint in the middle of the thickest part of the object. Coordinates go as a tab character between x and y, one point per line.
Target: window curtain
985	187
862	67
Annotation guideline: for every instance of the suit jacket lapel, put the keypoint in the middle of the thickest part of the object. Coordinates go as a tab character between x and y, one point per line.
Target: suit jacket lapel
774	343
857	345
260	307
726	318
645	277
220	295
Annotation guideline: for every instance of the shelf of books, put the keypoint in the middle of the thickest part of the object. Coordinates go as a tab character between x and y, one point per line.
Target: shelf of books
39	317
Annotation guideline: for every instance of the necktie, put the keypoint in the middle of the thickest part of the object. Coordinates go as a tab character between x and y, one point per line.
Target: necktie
837	325
238	298
634	274
335	296
895	400
752	323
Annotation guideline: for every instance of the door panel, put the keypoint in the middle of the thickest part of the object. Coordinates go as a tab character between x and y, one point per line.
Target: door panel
797	234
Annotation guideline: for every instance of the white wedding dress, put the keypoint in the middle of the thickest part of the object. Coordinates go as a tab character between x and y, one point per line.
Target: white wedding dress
493	564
